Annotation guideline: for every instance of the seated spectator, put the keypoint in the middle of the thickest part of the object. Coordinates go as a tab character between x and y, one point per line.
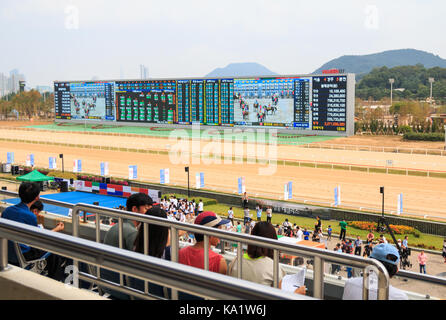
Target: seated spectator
158	240
137	203
389	256
21	212
258	262
194	255
257	265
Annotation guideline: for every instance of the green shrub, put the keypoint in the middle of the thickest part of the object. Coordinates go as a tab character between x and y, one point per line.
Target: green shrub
414	136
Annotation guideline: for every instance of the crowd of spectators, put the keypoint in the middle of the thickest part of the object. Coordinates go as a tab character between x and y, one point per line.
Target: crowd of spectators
257	264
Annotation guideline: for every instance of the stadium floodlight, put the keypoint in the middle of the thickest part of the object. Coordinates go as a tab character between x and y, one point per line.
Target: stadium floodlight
391	81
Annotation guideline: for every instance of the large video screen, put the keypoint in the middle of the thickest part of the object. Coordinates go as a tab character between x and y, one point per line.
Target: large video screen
307	103
268	101
85	101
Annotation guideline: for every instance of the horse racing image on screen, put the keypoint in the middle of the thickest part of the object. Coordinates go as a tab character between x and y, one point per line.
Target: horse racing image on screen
264	102
91	101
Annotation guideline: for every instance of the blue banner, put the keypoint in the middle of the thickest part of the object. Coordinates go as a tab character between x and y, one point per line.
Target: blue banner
290	190
201	180
10	157
162	176
336	203
240	191
31	159
79	165
102	169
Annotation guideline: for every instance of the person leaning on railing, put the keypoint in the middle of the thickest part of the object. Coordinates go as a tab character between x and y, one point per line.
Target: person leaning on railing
258	262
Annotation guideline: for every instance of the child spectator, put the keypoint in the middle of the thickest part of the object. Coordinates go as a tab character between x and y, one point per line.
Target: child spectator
269	214
358	246
259	212
329	231
231	215
306	234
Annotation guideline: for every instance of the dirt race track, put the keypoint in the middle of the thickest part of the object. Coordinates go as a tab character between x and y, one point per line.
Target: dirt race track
422	195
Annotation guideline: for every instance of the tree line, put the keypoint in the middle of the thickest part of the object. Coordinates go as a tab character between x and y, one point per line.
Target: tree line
27	105
413	79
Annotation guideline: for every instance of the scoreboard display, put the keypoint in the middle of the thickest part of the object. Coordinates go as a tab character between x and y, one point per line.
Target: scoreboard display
309	103
146	101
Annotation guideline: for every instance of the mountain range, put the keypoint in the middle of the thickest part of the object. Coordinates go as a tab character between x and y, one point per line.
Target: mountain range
242	70
363	64
358	64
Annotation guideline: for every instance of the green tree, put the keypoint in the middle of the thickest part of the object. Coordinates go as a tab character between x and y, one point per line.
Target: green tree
28	103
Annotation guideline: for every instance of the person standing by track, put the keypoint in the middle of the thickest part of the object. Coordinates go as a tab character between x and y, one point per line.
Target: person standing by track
343	226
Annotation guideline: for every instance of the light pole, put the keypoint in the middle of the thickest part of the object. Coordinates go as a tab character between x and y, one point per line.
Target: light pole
381	222
61	156
431	81
186	169
391	81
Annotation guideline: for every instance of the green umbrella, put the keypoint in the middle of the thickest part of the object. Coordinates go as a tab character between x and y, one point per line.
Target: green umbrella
34	176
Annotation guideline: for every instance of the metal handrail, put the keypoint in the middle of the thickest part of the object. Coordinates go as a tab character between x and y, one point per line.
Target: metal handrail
174	275
320	256
239	239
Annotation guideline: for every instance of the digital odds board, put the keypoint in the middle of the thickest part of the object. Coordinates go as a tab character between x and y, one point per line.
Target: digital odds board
311	103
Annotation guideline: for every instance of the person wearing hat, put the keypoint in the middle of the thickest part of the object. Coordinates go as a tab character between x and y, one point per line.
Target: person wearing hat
194	255
389	256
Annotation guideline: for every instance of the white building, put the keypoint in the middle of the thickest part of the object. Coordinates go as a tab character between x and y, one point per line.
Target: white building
3	85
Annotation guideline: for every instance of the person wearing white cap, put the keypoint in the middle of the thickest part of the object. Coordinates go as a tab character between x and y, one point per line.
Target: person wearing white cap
389	256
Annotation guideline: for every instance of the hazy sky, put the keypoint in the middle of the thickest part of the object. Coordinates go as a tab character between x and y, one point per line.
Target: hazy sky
51	40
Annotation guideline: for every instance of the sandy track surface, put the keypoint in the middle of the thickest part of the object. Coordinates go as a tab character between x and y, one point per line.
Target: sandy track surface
425	196
281	152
